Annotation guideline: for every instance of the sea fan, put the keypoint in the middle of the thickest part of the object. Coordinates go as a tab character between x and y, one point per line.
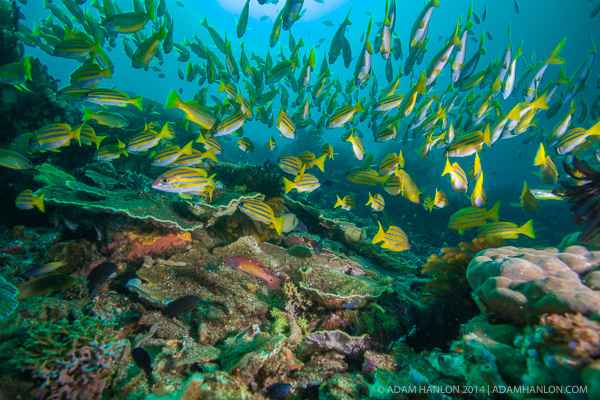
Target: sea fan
584	197
449	271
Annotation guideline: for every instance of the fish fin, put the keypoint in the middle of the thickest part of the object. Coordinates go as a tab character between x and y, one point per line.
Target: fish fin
39	203
288	185
540	157
137	101
320	162
554	58
210	154
379	236
173	101
493	213
527	229
371	199
339	202
278	224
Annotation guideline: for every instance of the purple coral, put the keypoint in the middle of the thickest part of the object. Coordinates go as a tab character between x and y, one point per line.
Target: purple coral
83	375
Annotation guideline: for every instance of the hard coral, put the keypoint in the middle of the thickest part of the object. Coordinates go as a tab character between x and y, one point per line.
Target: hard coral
520	282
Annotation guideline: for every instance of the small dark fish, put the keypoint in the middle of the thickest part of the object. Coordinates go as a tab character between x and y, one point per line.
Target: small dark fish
142	359
595	11
277	391
473	38
368	13
45	284
489	35
155	68
180	306
328	23
517	6
180	90
321	40
440	38
476	18
484	15
362	37
100	274
161	75
264	18
520	155
318	248
180	4
328	182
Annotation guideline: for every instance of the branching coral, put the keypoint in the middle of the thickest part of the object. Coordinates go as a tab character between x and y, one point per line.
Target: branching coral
583	197
449	271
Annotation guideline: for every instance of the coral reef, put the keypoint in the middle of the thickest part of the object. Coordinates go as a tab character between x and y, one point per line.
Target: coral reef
8	302
519	282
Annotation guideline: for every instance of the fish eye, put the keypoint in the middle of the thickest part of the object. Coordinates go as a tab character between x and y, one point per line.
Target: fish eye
163	180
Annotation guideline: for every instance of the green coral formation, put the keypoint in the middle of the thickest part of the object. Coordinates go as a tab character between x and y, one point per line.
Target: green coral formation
8	302
158	208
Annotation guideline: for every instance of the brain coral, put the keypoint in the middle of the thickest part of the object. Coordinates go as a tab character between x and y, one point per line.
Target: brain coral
515	282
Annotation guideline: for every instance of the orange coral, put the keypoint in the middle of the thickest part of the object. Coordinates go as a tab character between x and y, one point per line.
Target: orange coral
449	271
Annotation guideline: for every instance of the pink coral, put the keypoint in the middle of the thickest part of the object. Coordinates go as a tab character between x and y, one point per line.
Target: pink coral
84	374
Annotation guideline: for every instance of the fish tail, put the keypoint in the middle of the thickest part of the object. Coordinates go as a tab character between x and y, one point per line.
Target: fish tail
173	101
515	113
339	202
320	162
187	149
540	156
400	159
87	114
210	154
27	65
447	168
288	185
210	189
493	213
98	140
554	58
540	102
137	101
273	282
379	236
527	229
278	224
151	10
75	134
371	199
39	203
358	107
200	139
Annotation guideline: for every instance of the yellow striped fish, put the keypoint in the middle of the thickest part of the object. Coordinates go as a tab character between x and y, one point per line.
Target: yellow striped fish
262	212
343	115
193	111
458	177
390	162
183	180
347	203
357	146
302	183
548	170
394	239
389	102
377	203
26	201
528	201
170	154
506	230
469	217
13	160
210	143
290	164
285	125
230	124
110	152
111	97
409	189
53	136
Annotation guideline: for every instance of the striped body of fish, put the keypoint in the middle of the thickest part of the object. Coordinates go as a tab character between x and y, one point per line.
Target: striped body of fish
26	201
183	180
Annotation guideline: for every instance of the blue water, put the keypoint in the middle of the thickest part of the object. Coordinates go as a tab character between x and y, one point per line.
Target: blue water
540	24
